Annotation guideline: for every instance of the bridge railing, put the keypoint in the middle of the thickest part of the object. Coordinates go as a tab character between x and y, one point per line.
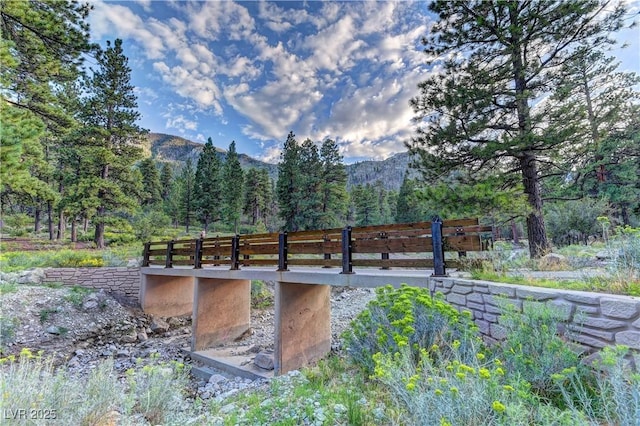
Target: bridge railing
433	244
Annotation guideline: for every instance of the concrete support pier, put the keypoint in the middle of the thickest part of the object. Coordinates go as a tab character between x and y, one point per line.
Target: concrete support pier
221	311
167	296
303	325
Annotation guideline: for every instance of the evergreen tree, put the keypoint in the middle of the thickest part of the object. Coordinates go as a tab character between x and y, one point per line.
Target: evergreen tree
110	140
288	184
498	61
166	179
408	205
208	185
309	189
186	194
257	197
366	205
333	185
152	189
41	47
233	183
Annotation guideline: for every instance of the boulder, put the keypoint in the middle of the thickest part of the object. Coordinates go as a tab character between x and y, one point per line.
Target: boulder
264	360
159	325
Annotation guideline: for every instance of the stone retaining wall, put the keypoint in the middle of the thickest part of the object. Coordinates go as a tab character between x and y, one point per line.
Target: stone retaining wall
596	320
119	281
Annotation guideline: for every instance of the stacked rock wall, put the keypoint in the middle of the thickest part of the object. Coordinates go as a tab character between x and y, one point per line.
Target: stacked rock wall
596	319
119	281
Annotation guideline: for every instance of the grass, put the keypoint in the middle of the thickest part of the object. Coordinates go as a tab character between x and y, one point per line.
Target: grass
16	261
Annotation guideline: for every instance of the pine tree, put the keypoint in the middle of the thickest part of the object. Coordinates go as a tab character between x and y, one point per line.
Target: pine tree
498	59
186	194
152	189
366	205
257	196
333	186
166	179
110	140
233	184
309	189
208	185
288	184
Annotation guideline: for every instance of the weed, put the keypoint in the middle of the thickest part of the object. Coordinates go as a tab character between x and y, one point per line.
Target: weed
76	295
7	287
45	313
8	327
54	285
534	349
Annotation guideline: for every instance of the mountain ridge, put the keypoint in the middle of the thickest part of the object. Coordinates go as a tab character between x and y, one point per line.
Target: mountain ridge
175	149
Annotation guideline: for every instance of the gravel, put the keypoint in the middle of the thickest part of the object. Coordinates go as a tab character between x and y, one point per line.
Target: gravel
82	331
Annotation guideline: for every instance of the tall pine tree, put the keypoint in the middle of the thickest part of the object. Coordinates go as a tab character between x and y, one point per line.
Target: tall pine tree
233	184
111	139
498	60
208	185
288	185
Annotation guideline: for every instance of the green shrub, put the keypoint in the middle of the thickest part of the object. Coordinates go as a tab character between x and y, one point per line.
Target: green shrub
151	395
534	349
616	400
17	224
155	392
478	391
408	317
261	297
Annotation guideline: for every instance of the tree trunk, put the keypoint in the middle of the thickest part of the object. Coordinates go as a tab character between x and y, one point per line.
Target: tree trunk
99	234
37	223
50	219
85	224
74	231
624	212
61	226
536	233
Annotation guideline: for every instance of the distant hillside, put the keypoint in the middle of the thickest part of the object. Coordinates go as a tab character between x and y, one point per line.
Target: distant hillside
390	171
175	149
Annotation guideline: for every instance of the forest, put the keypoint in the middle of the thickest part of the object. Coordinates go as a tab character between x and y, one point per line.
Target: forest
532	128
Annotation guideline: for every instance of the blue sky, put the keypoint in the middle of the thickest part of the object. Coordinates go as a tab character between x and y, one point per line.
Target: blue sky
253	71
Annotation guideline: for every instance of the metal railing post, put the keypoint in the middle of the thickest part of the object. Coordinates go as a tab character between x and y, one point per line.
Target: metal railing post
384	256
283	252
145	254
197	258
347	261
169	258
235	253
437	247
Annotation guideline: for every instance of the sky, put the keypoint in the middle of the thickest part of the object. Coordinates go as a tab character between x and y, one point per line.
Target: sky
251	72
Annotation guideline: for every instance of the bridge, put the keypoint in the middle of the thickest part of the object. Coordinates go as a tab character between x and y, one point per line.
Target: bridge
210	278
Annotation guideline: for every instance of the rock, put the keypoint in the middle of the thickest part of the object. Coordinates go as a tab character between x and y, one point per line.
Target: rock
53	330
339	409
552	261
158	325
264	360
142	336
133	263
90	305
604	255
216	378
129	338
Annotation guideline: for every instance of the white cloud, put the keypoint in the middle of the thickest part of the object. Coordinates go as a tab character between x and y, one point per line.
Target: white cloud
334	46
191	84
180	123
213	19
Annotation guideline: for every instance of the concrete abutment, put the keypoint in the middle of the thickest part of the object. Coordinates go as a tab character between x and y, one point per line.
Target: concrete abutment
167	295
